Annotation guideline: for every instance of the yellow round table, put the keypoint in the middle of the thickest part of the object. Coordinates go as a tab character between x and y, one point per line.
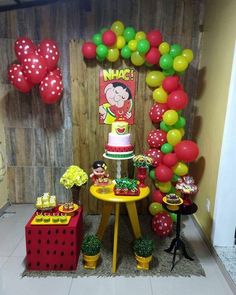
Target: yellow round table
110	200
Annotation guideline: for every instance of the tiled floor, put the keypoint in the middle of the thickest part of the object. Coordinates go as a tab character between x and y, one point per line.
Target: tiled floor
228	258
12	253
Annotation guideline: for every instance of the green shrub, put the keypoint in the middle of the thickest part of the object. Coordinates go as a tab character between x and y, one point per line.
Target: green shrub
91	245
143	247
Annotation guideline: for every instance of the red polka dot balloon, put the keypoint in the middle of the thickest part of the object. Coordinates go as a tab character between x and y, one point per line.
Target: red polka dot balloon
156	155
48	49
34	67
17	79
24	46
156	112
156	138
51	88
162	224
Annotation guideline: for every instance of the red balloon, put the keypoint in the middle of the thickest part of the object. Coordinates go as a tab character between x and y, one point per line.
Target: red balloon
163	173
34	67
156	112
157	196
153	56
51	88
169	159
57	72
177	100
187	151
24	46
48	49
109	38
162	224
17	79
89	50
156	138
156	155
155	38
170	83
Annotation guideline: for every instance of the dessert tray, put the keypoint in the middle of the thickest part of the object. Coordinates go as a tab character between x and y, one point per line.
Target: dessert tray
173	206
68	212
50	220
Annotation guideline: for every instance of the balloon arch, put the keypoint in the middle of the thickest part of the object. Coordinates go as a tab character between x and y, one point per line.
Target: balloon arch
169	152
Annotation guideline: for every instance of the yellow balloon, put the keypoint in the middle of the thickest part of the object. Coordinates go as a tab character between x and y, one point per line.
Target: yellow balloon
113	54
174	136
140	35
180	63
182	131
118	27
154	78
155	207
164	48
120	42
164	187
180	169
137	59
132	45
170	117
159	95
188	54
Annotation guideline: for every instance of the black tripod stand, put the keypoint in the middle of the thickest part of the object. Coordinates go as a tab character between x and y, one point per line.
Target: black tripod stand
177	243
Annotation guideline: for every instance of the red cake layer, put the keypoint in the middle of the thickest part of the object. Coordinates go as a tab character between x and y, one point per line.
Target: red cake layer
119	149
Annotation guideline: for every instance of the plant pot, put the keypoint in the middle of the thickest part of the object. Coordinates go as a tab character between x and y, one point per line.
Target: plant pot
143	262
90	262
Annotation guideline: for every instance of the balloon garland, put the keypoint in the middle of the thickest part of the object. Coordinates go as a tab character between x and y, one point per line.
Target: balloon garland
38	65
169	152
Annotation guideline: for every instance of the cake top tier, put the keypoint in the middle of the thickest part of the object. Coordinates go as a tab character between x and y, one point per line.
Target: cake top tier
119	127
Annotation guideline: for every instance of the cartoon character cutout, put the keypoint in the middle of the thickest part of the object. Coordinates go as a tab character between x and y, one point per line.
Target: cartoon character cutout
119	103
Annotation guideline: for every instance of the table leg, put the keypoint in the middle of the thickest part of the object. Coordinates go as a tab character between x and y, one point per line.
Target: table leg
106	212
133	216
116	230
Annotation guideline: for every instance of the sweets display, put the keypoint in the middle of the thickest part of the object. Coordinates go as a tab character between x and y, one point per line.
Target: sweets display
45	219
119	141
126	187
173	199
186	185
46	201
68	206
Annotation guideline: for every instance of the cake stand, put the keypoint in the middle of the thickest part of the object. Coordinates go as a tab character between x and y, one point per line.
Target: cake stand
118	163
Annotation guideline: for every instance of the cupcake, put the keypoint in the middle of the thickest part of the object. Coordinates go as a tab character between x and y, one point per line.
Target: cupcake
46	218
63	219
55	219
39	218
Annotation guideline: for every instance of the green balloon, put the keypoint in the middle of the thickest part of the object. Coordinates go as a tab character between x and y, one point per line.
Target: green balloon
169	72
102	51
174	178
166	61
126	52
175	50
173	217
152	174
97	39
165	127
166	148
172	190
180	123
143	46
104	29
101	59
129	34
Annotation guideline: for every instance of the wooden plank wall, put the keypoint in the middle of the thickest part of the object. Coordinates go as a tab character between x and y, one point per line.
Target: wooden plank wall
39	139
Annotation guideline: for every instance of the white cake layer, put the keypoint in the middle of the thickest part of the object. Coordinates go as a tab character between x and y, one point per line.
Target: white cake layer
119	140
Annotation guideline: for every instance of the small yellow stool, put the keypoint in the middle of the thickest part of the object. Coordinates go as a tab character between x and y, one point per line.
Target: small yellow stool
110	200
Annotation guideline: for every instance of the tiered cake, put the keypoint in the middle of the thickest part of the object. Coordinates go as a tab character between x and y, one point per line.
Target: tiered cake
119	141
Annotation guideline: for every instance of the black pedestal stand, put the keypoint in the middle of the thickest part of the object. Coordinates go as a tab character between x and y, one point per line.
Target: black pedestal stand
177	243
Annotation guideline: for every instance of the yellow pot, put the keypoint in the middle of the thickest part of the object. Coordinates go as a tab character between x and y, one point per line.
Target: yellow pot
143	262
90	262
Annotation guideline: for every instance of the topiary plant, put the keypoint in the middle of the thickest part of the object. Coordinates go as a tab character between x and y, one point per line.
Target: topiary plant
143	247
91	245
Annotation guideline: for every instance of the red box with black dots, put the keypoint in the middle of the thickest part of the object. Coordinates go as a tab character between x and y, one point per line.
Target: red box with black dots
54	247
